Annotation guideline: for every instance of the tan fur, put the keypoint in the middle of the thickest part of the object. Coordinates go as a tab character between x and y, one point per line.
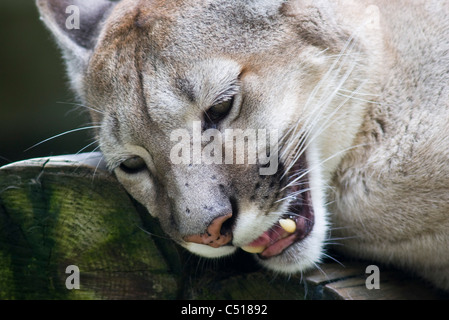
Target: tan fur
363	83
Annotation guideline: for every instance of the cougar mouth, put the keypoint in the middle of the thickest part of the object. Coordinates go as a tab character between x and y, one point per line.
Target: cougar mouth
293	226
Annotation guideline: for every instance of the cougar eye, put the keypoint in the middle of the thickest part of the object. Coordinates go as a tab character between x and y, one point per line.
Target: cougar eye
219	111
133	165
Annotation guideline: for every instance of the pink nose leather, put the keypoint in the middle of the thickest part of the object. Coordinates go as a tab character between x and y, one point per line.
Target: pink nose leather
213	236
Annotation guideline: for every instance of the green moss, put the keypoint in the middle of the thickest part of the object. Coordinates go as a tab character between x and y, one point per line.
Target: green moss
60	220
7	287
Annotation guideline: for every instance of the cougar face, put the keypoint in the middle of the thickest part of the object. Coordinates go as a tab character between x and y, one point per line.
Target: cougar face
218	117
174	88
238	124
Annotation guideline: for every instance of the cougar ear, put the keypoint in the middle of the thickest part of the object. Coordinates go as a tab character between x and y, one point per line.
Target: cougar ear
75	25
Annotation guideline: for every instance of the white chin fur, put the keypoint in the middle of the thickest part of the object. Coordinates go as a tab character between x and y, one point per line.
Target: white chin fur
207	251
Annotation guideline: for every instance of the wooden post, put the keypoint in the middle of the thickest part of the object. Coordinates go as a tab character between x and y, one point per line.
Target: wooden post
60	212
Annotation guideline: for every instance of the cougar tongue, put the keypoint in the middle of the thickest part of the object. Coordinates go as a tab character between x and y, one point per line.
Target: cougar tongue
266	239
258	245
283	234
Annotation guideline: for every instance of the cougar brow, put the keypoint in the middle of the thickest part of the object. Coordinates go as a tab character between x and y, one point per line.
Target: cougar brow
186	88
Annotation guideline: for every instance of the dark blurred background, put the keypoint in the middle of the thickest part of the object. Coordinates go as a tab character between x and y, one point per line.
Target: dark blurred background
35	100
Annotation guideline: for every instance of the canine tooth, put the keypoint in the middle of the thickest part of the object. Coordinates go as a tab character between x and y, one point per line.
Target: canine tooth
288	225
251	249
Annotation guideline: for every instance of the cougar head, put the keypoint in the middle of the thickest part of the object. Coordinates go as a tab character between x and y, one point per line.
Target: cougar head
225	119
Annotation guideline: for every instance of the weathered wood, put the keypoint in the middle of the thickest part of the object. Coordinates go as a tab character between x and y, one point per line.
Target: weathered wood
69	210
58	213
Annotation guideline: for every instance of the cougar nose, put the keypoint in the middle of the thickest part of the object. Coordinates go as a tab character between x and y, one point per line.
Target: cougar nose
216	235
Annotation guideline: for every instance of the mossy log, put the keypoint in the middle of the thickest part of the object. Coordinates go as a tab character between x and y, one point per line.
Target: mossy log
61	211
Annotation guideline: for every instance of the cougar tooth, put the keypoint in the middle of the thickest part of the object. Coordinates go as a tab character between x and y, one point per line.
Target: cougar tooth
251	249
288	225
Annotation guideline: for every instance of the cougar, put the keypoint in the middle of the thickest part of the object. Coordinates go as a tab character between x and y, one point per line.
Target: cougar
276	127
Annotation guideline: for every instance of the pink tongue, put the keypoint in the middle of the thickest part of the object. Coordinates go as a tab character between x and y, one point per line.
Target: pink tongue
268	237
274	241
263	241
